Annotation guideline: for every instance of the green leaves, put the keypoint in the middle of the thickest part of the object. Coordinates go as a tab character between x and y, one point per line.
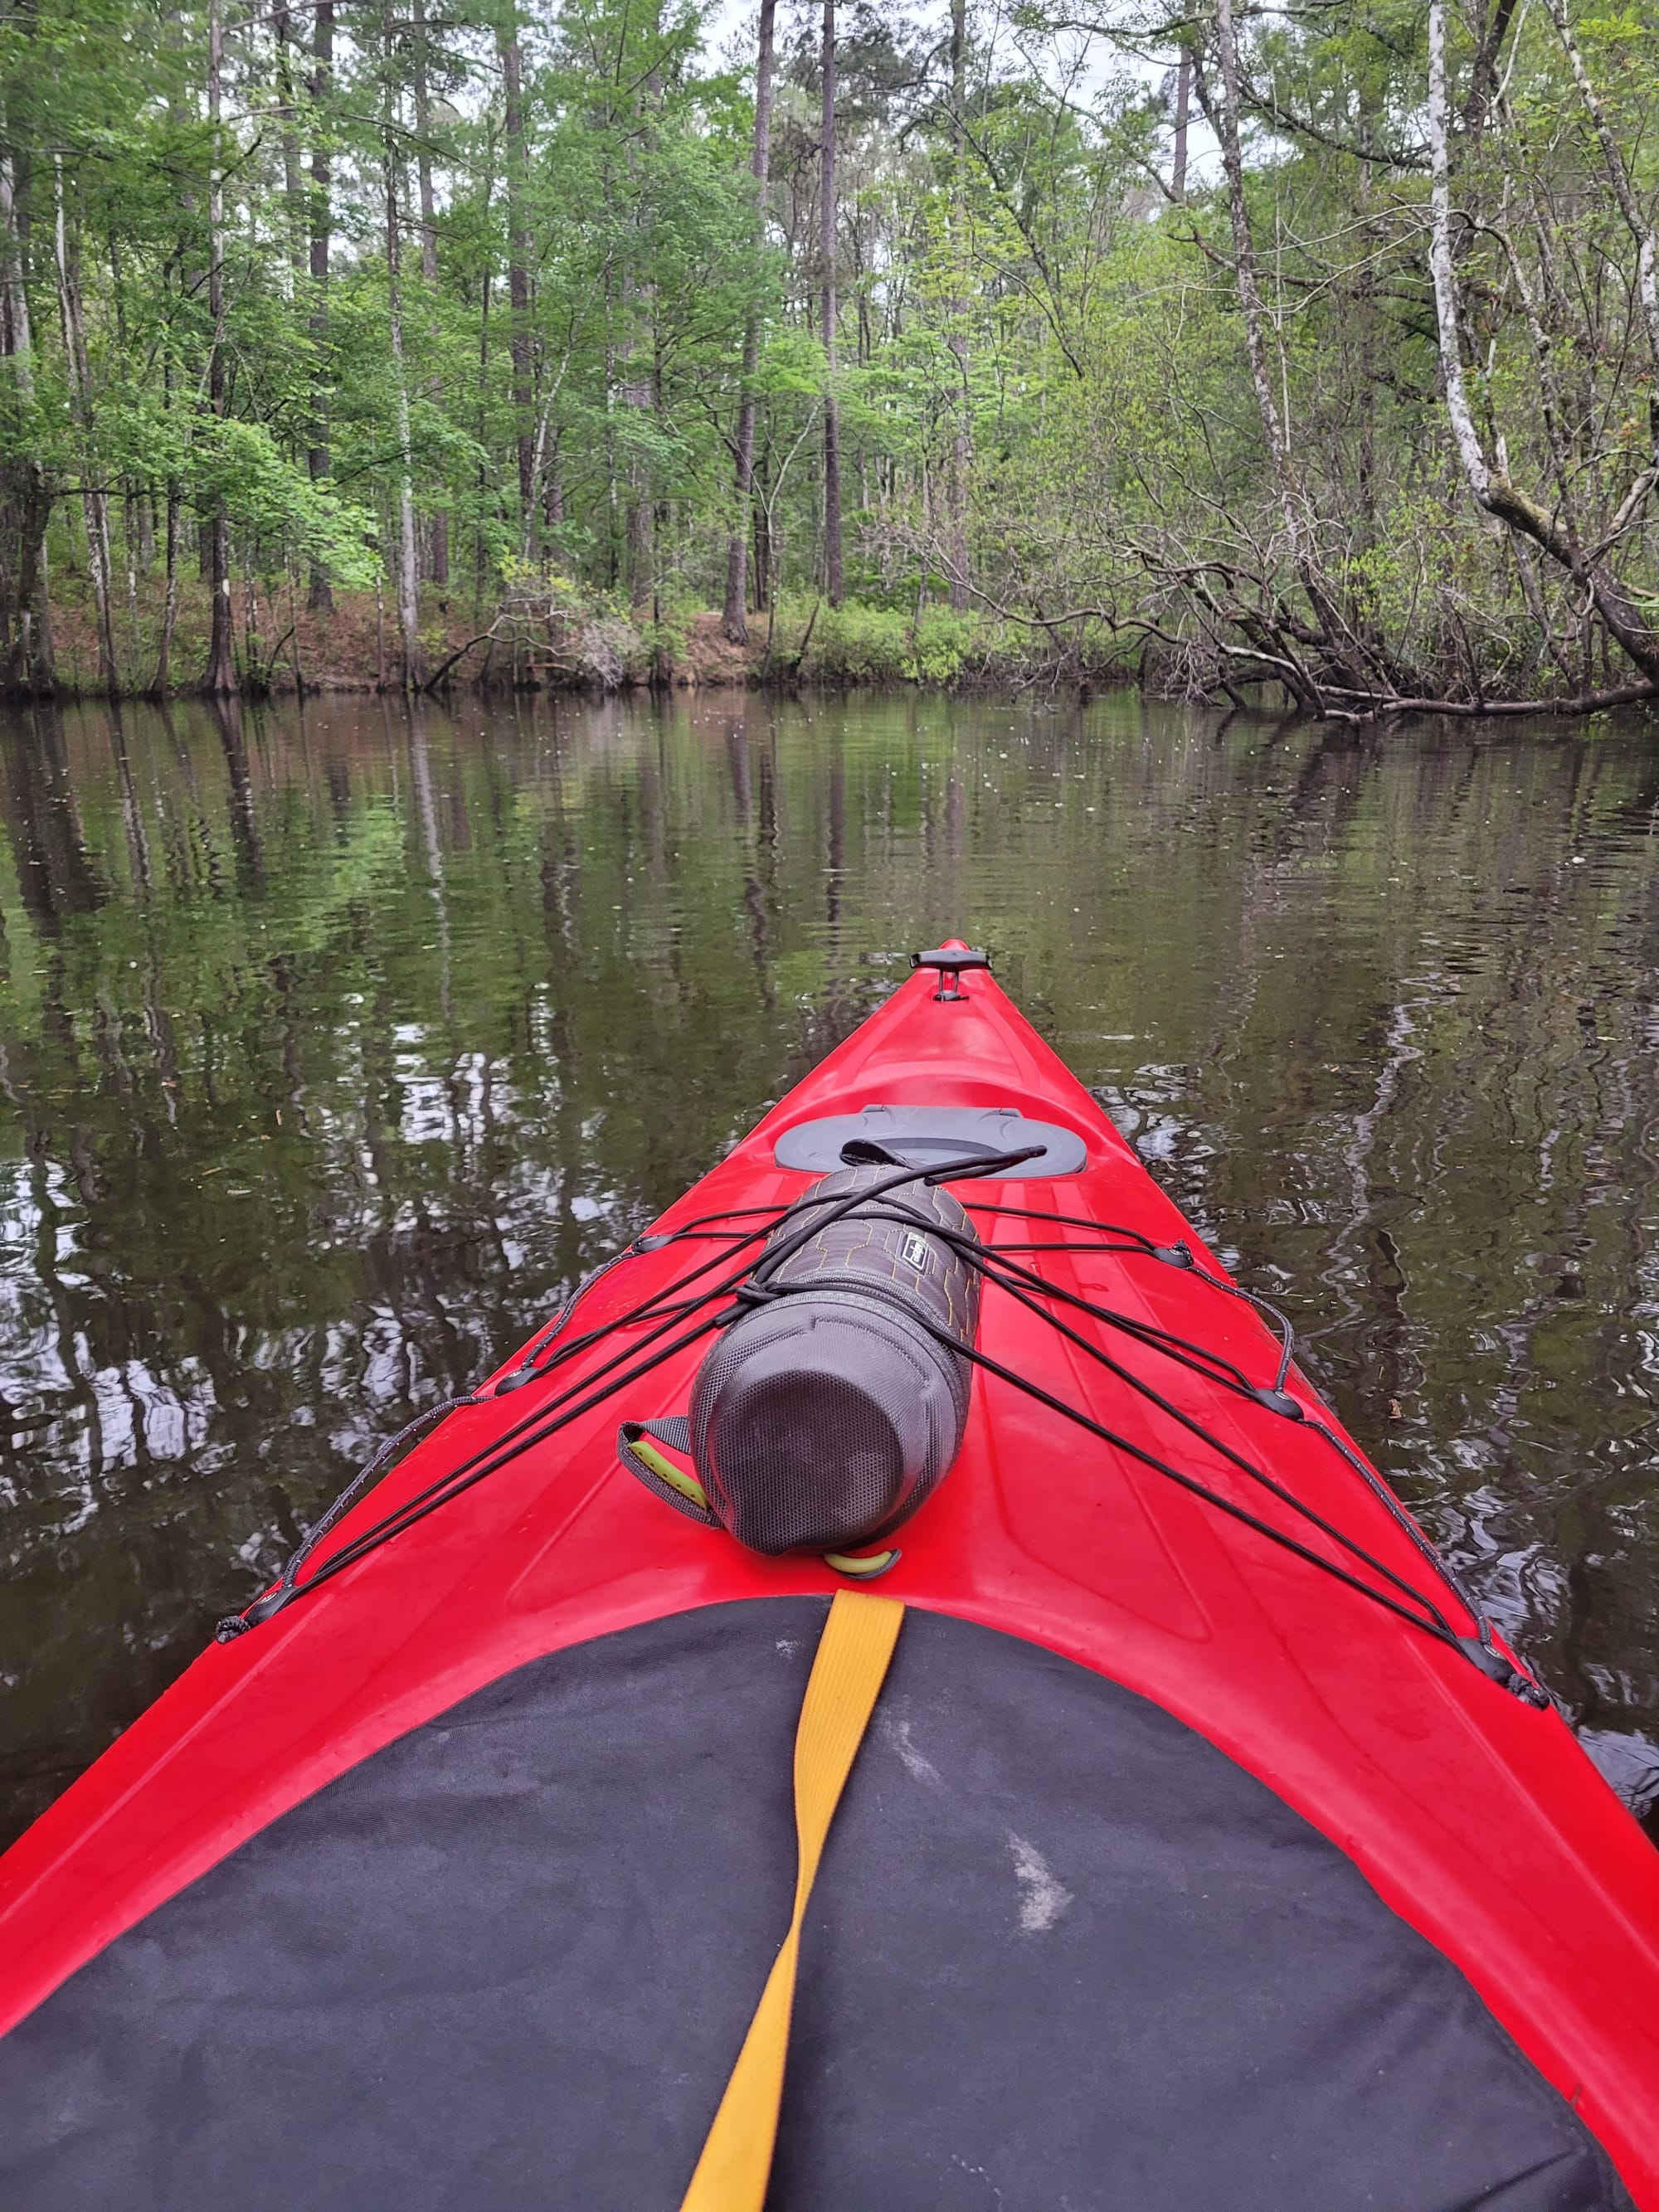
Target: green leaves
1040	354
277	505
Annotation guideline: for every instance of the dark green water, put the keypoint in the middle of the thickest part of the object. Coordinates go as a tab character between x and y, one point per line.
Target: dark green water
333	1044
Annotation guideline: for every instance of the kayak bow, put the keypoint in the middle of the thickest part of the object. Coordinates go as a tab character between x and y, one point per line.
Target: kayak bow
1205	1845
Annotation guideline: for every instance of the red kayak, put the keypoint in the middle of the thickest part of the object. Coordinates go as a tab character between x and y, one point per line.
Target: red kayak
1183	1837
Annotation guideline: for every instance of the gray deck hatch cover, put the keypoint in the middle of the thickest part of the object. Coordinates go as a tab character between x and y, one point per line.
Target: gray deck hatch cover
925	1136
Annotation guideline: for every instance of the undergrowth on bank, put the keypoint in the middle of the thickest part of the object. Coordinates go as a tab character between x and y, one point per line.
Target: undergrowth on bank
553	633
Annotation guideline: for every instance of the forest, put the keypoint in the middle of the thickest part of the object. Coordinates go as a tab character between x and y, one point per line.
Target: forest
1304	353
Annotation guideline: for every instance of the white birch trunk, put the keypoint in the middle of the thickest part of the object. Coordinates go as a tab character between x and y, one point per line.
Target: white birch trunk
1492	485
1465	436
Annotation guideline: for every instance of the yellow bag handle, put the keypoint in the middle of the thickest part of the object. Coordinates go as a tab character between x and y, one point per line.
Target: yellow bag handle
848	1674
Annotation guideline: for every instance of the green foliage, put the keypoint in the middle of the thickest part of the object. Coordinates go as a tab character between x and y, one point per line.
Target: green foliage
1042	368
281	511
939	645
856	644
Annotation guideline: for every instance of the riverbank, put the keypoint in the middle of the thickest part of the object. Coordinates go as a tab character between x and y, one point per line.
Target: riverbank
549	636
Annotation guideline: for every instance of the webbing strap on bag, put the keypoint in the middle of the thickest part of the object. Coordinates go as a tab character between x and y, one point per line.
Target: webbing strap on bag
852	1660
674	1485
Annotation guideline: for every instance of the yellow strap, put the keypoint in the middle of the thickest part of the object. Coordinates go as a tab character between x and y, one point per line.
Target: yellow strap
847	1673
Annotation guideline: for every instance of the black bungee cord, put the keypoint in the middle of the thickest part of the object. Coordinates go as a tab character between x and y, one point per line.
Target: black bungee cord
988	1259
1276	1397
1178	1254
558	1414
534	1428
660	1311
527	1371
983	1262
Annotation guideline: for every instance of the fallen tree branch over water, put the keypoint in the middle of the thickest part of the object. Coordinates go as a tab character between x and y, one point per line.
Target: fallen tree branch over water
1379	707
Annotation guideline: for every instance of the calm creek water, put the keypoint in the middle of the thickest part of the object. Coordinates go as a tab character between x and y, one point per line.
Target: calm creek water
333	1043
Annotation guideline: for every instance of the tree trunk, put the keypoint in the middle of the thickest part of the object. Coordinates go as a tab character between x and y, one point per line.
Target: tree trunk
956	484
294	196
478	556
641	549
408	578
162	680
1493	488
220	675
1292	500
26	497
170	604
428	252
762	506
1641	230
1465	436
555	502
640	388
1365	303
518	280
322	78
1183	99
827	239
734	621
1494	23
95	503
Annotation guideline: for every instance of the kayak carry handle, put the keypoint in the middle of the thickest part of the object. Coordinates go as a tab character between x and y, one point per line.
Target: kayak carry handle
948	961
922	1152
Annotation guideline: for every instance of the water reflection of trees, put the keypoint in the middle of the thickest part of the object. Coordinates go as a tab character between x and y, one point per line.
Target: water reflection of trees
332	1045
